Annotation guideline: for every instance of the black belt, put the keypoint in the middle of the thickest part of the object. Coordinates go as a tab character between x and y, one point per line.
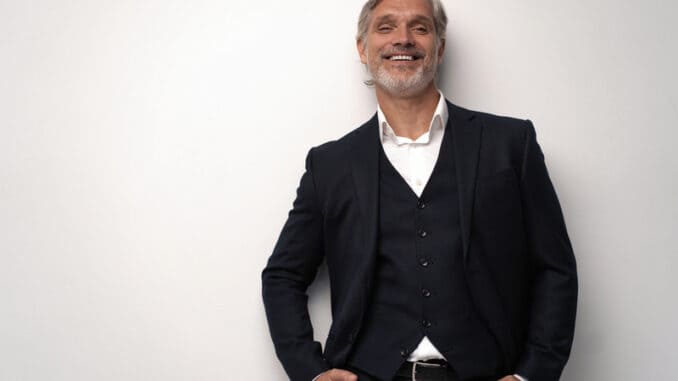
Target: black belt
424	369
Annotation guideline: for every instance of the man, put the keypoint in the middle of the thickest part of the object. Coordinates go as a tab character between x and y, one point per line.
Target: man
446	249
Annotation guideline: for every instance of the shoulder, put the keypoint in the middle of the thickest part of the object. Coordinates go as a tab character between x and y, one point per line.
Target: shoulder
503	138
490	122
332	150
496	130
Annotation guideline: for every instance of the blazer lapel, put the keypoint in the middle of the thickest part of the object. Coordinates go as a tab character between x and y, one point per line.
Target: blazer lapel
364	151
466	135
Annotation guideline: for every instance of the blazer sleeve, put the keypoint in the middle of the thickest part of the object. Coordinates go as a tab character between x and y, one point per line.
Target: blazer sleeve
554	276
290	269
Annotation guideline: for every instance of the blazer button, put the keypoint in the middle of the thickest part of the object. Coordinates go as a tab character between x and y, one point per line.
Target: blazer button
426	293
423	262
421	205
426	324
422	233
404	353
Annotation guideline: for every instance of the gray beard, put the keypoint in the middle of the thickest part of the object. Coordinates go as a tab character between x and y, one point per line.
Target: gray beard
410	86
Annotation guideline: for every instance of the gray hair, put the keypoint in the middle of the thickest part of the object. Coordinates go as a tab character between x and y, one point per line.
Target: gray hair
439	19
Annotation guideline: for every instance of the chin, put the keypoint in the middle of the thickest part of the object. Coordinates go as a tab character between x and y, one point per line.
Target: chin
400	85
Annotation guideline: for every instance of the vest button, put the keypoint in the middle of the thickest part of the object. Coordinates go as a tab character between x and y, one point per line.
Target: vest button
423	262
426	293
422	233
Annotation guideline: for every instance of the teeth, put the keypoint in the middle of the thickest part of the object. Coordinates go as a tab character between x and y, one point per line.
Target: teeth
402	58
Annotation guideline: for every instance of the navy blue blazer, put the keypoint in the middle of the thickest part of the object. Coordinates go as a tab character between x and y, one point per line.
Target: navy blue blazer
519	263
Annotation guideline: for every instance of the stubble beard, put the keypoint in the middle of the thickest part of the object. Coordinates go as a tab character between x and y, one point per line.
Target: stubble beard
402	86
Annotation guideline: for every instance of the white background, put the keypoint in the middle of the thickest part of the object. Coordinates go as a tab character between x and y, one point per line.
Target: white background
150	151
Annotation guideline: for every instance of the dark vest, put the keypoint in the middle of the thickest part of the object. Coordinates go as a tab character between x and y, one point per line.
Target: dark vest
419	281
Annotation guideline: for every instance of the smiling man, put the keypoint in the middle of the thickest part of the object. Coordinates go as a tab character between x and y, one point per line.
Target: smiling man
446	248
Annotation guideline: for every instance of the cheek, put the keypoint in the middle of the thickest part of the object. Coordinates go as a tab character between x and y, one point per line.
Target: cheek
372	56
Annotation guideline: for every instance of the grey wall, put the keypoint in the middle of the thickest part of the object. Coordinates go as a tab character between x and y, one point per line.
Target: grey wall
150	150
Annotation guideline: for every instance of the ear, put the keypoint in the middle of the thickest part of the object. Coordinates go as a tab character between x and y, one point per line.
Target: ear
362	51
441	51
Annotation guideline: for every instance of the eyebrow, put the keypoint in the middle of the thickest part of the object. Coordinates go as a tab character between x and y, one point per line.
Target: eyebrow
417	18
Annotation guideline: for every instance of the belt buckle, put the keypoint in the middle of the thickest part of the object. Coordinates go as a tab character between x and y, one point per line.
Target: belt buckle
423	364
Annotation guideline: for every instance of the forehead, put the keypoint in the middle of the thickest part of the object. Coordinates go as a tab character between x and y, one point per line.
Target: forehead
402	9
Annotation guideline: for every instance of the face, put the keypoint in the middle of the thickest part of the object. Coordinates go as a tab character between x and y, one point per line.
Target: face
400	49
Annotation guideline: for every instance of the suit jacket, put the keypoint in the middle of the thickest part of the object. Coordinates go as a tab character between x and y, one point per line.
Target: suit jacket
519	263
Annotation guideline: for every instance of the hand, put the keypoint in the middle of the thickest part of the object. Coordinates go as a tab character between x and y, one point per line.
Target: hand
509	378
337	375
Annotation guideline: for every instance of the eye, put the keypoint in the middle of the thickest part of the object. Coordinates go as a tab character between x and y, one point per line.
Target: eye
384	28
421	29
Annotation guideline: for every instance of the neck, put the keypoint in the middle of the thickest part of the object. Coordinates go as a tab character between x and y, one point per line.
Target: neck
409	116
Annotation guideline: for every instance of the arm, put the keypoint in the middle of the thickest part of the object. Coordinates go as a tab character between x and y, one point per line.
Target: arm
290	269
554	275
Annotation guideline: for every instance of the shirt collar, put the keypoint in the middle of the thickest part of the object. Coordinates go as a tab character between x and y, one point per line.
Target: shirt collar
438	122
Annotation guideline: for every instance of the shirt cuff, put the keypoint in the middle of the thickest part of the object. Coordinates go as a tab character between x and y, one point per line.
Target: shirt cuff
318	376
515	375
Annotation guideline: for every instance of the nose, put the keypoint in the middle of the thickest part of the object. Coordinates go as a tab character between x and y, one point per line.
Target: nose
403	37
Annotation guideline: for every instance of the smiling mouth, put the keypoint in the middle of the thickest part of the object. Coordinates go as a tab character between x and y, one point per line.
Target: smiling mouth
402	58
